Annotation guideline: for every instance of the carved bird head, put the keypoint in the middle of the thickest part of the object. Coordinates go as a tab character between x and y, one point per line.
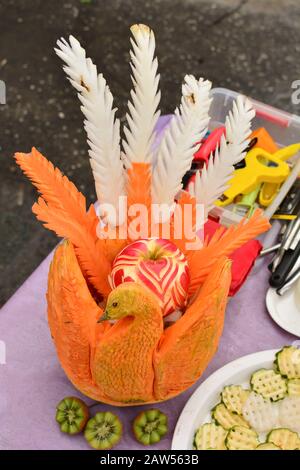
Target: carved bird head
129	299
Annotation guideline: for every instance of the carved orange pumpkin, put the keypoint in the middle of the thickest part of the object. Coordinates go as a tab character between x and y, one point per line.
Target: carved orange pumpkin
135	360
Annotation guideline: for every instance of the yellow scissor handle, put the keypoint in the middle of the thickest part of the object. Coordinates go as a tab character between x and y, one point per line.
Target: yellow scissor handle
269	190
287	152
267	193
256	171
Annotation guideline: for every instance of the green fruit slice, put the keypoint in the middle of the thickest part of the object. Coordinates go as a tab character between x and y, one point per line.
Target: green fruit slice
150	426
72	415
103	431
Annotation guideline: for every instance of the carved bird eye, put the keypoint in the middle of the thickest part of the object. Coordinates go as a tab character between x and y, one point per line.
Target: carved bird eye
115	304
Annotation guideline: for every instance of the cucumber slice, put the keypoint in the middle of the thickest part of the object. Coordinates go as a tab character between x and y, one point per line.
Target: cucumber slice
289	413
293	387
288	362
241	438
234	398
210	436
269	384
261	413
267	446
227	418
284	438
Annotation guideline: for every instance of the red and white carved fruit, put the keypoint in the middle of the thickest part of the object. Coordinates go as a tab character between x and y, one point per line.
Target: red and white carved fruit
157	264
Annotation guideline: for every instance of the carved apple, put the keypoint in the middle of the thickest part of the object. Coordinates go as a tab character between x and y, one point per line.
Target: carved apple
157	264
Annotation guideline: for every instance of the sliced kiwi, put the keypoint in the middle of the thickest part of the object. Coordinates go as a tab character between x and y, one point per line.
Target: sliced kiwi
150	426
103	431
72	415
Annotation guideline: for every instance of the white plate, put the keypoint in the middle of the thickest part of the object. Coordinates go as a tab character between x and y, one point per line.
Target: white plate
197	410
283	310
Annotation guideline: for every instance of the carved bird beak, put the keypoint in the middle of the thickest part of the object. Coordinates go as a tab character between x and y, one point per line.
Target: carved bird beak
103	317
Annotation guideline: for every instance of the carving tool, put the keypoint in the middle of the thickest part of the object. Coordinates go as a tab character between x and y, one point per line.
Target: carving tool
269	190
270	249
290	280
285	188
246	205
255	172
289	256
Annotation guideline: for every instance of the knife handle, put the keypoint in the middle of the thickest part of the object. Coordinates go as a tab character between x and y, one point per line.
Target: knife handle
282	271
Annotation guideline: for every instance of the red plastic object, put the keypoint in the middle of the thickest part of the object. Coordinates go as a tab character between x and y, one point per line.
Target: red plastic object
268	116
243	258
209	145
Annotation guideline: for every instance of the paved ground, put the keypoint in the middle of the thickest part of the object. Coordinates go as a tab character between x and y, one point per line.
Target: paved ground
250	46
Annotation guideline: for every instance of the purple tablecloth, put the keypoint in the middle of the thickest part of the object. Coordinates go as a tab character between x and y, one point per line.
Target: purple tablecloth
32	381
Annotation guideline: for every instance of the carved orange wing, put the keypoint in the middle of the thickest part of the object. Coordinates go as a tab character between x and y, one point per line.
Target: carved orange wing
187	346
72	316
62	208
223	243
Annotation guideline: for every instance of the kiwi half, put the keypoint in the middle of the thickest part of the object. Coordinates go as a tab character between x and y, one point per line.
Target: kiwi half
150	426
72	415
103	431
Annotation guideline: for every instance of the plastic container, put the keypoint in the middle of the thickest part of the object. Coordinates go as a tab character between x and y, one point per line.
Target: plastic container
282	126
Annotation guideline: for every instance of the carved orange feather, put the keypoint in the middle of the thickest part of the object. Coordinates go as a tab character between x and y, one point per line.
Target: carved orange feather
186	206
111	247
223	243
139	191
62	208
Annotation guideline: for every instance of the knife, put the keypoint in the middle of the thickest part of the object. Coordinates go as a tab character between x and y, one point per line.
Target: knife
289	259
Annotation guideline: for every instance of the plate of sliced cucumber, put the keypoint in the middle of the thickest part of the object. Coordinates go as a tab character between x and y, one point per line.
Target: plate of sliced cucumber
252	403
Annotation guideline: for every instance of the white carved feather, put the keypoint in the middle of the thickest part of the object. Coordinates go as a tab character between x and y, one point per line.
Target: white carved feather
213	180
103	130
145	97
187	127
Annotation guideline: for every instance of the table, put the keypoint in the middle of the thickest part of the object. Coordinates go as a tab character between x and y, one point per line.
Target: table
32	381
